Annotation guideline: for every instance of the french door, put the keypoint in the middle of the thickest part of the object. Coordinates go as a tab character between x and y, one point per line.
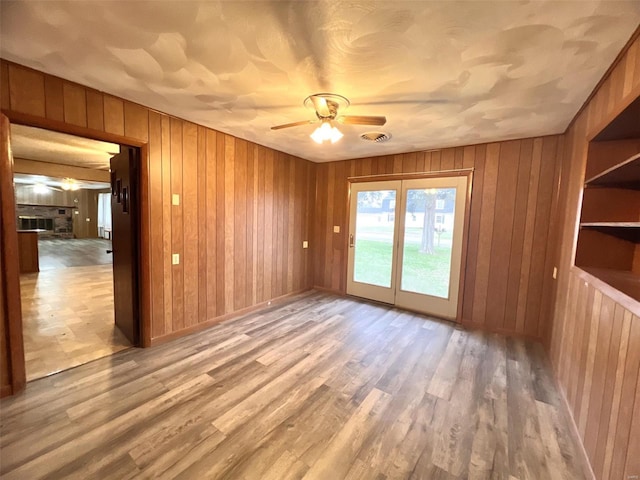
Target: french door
405	242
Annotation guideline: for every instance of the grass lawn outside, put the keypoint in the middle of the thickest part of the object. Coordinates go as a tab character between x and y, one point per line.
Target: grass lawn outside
421	273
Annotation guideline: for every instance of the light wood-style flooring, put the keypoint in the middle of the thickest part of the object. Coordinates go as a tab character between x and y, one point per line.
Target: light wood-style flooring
57	253
322	387
68	319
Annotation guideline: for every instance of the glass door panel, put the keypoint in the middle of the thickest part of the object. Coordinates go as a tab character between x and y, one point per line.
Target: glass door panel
430	253
405	242
375	231
372	240
427	246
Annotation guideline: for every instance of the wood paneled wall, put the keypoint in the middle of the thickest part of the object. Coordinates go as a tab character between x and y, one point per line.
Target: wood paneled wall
508	281
595	340
243	207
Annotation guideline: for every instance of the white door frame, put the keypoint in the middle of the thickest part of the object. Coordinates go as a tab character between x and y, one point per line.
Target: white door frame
365	290
461	222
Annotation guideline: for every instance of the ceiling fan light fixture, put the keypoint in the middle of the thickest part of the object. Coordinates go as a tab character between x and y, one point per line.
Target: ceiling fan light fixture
69	184
326	133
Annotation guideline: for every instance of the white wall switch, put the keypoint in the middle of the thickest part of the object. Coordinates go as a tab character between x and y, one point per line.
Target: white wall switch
305	244
175	199
87	219
77	212
175	259
336	229
555	272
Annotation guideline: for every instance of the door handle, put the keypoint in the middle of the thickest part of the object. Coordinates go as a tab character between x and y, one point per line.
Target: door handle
351	240
109	251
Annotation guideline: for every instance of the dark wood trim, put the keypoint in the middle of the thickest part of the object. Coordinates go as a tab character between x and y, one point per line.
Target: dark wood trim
144	248
11	265
144	221
573	428
144	264
214	321
58	126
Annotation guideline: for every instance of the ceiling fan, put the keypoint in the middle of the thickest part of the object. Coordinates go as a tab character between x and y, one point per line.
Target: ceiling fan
326	106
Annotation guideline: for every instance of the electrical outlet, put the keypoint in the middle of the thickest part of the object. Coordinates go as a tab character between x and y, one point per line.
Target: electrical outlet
336	229
87	219
305	244
175	199
175	259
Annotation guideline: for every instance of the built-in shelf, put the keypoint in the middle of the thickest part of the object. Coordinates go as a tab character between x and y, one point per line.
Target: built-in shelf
608	246
629	231
626	282
612	224
626	174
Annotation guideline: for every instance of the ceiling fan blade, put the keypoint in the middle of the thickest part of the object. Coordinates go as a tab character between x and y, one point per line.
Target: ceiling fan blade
294	124
362	120
320	104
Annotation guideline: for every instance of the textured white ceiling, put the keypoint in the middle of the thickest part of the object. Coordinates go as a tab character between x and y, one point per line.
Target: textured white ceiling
55	147
444	73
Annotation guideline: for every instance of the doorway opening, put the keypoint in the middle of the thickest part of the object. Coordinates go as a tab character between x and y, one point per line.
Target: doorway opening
406	242
79	297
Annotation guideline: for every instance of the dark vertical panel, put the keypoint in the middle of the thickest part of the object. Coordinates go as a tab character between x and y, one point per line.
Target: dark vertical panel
54	99
5	93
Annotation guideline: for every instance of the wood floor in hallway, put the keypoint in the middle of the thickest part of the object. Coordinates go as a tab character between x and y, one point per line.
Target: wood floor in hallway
68	318
321	387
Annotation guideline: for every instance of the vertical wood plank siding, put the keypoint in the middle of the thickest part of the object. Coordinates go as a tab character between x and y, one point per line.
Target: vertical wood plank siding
226	190
595	341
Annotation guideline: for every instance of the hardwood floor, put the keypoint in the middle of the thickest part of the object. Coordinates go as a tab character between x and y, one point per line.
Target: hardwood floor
323	387
67	317
55	253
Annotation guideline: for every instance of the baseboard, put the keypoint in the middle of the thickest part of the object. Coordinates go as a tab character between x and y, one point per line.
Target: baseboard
214	321
329	290
573	427
502	331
